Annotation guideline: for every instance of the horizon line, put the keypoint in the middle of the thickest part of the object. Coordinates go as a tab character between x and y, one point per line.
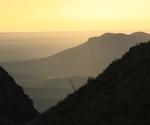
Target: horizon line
104	31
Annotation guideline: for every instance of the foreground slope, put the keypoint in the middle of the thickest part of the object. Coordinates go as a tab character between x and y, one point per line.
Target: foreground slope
15	107
118	96
87	59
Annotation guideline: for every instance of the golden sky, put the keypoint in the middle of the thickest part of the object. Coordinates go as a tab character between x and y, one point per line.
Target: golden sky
69	15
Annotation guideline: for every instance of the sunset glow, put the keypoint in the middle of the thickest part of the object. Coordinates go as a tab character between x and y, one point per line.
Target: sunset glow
66	15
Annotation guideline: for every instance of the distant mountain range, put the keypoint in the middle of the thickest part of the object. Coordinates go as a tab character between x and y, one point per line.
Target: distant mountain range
118	96
87	59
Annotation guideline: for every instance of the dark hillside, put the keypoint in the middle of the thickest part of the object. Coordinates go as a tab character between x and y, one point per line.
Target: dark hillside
87	59
15	107
118	96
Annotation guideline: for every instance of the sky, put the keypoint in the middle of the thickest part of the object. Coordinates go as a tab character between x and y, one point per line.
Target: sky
73	15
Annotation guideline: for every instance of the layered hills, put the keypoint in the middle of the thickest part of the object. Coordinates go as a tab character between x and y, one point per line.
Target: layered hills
87	59
118	96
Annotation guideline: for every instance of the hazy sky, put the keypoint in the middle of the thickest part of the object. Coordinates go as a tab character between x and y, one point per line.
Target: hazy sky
54	15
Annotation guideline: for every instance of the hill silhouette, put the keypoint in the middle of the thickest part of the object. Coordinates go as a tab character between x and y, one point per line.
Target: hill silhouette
118	96
87	59
15	107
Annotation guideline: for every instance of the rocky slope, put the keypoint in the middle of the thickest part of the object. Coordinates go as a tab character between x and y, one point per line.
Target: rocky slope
118	96
15	107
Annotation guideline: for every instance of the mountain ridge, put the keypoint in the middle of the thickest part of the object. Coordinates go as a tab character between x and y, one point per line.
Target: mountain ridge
119	95
88	59
109	34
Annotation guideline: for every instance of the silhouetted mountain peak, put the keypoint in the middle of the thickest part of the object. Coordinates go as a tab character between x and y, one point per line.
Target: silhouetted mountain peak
118	38
112	35
139	34
94	51
106	36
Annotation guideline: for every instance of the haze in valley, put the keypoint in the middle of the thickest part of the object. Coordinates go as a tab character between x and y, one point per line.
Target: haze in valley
46	43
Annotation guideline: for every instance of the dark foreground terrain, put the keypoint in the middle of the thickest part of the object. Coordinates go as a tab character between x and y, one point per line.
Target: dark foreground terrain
15	106
118	96
87	59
